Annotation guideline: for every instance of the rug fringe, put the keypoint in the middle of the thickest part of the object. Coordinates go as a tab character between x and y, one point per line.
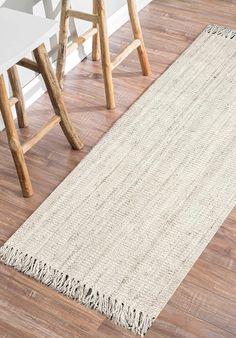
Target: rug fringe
116	311
221	31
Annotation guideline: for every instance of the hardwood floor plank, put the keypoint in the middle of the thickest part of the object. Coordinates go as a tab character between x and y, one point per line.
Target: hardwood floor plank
218	280
174	323
205	305
218	258
45	305
10	331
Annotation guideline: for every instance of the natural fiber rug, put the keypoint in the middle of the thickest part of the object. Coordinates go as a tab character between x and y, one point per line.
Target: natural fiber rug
125	227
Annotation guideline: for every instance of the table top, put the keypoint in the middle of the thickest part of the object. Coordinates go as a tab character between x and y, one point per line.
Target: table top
20	34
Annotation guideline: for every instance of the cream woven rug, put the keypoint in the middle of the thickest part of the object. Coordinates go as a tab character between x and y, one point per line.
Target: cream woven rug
125	227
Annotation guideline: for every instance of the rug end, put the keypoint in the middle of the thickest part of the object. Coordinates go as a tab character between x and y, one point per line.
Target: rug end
221	31
114	310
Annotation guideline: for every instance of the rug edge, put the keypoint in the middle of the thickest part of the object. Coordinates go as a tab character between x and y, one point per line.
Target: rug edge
222	31
116	311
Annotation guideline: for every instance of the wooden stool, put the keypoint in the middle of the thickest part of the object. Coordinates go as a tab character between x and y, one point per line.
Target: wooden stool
98	18
24	33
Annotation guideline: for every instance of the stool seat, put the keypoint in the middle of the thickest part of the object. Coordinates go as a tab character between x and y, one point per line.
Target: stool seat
21	33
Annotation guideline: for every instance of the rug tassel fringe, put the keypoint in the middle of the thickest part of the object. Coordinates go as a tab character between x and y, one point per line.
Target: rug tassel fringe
221	31
116	311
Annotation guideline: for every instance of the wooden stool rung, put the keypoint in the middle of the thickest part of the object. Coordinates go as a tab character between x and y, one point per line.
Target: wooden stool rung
13	100
30	64
81	39
40	133
82	16
123	55
100	43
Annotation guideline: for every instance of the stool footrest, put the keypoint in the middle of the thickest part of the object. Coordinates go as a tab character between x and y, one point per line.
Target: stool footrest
82	16
13	100
128	50
81	39
30	64
40	133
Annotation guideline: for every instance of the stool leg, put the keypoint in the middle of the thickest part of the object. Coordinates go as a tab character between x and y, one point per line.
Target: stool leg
63	37
105	54
14	143
17	92
95	50
137	32
55	95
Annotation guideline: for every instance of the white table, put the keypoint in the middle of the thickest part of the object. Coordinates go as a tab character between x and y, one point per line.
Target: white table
20	34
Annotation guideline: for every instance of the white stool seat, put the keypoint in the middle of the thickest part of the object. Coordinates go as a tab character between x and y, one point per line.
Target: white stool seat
20	34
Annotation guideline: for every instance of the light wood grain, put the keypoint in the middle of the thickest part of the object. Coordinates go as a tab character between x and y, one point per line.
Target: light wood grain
82	16
17	92
95	47
14	142
63	39
137	32
79	40
55	95
105	54
30	64
123	55
13	100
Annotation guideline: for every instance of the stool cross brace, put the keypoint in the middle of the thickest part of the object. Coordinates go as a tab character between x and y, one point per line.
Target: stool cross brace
99	32
43	66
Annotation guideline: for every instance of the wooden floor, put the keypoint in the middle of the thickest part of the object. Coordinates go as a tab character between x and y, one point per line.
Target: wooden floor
205	303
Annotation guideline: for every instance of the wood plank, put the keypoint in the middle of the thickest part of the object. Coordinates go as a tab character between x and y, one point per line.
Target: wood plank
45	310
218	280
174	323
205	305
216	257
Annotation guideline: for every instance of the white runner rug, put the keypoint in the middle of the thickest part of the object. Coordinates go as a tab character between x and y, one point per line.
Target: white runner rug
126	226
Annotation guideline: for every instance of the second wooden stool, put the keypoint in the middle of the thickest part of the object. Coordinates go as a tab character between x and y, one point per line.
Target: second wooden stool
99	29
